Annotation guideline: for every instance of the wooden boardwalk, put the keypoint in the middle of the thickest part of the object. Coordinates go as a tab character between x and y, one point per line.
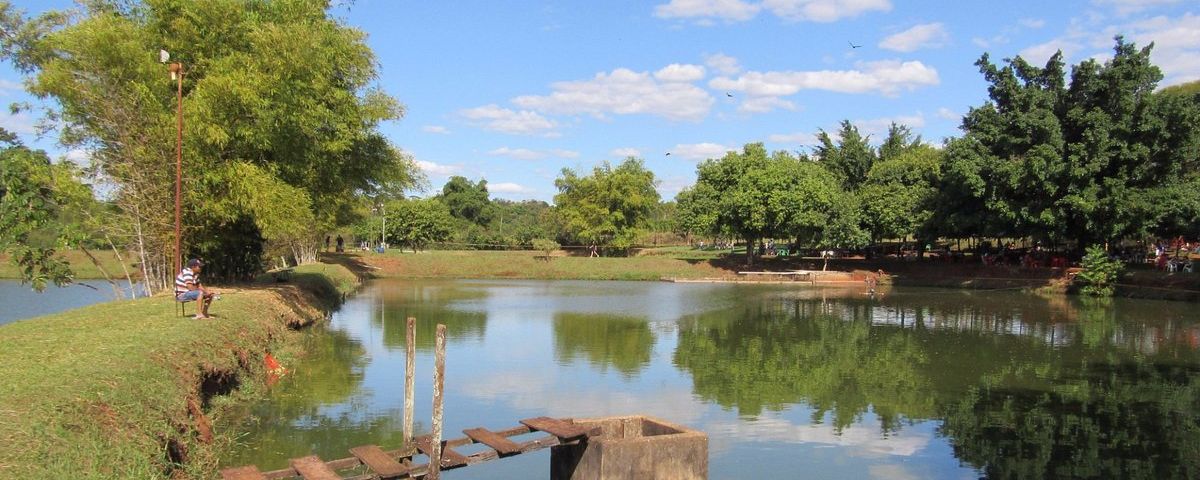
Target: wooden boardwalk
371	462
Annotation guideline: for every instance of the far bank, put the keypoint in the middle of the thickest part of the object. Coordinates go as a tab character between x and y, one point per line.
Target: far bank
688	264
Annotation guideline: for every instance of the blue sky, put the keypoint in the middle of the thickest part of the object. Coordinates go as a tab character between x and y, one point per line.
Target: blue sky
515	91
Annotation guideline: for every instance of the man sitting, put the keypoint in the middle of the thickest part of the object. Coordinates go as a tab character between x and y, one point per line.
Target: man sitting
189	289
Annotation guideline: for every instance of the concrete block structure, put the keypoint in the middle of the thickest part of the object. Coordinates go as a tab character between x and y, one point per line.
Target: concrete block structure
633	447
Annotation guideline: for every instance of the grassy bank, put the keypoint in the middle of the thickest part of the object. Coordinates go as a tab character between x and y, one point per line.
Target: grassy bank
688	263
531	265
125	389
83	266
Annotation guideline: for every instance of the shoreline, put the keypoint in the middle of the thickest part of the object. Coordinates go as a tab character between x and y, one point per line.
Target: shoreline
528	265
128	389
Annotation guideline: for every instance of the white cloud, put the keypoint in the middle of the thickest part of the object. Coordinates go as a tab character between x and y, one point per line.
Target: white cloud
1126	7
625	152
798	138
948	114
622	92
765	104
20	122
723	64
517	153
437	169
1176	44
676	72
729	10
1038	54
699	151
7	86
507	187
878	127
1032	22
886	78
824	10
928	35
705	11
79	156
527	154
493	117
990	42
435	129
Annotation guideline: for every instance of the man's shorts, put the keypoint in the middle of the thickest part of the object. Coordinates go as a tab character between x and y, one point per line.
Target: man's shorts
188	296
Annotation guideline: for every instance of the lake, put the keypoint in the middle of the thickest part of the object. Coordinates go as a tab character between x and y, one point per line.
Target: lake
18	302
787	382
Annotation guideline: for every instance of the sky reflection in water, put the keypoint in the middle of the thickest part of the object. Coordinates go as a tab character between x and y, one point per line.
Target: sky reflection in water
917	384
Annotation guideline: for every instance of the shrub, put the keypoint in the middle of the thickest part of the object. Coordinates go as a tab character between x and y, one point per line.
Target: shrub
1100	272
545	245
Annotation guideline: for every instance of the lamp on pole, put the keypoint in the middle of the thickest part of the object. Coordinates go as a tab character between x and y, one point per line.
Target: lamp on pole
176	69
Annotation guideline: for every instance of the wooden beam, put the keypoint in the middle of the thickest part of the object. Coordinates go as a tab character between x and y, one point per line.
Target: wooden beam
312	468
248	472
502	445
558	428
383	465
450	458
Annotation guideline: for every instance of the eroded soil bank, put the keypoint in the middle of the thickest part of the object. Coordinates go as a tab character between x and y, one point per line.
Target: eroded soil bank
130	389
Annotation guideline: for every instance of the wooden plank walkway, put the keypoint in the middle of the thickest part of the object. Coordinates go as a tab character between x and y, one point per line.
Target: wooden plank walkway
372	462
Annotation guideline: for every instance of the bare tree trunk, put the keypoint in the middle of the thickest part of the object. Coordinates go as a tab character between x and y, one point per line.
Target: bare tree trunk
116	288
128	277
148	277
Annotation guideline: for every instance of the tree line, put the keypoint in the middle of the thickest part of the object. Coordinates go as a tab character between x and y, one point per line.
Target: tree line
1096	156
281	144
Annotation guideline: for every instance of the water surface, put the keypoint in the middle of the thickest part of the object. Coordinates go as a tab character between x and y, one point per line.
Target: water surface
788	383
19	301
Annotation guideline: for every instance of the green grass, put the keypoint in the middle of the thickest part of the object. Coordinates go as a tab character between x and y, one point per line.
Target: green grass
82	265
99	392
526	264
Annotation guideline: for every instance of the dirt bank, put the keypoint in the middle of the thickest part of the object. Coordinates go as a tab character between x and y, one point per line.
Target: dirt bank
128	389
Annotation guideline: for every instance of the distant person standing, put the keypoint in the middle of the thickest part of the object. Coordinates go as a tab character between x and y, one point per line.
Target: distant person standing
341	244
327	243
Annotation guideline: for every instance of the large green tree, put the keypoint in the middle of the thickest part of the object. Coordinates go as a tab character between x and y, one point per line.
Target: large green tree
756	196
609	206
851	157
275	92
417	223
1096	159
897	198
466	200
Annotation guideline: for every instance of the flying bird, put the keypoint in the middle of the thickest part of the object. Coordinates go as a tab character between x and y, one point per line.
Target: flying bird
668	154
727	94
852	45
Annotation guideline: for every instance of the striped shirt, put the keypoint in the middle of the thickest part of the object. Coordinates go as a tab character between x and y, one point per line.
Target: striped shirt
185	277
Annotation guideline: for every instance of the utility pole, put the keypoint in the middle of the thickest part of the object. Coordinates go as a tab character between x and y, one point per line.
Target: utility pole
176	70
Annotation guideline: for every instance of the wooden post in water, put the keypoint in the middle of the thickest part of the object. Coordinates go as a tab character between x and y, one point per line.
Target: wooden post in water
410	360
439	371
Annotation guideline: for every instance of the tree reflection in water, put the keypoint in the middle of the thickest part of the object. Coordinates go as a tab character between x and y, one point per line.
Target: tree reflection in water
605	340
430	304
308	411
1024	387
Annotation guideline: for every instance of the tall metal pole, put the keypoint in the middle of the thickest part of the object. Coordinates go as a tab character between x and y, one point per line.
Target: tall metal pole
177	69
